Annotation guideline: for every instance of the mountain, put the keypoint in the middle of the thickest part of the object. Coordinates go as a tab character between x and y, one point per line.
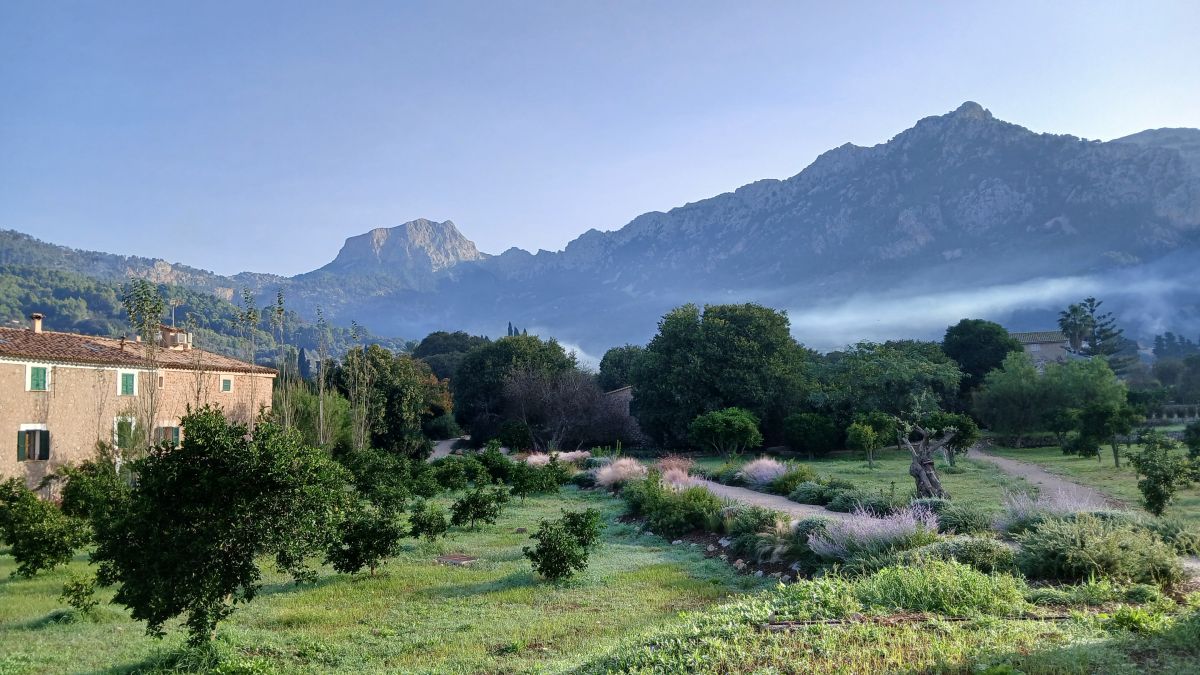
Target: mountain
1186	141
961	215
410	255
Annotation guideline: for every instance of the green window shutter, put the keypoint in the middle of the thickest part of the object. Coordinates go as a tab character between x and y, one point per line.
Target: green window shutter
44	444
37	379
20	446
124	434
175	436
127	380
226	385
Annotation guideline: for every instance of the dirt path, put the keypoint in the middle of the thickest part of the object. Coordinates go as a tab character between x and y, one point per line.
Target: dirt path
442	448
775	502
1044	480
1048	482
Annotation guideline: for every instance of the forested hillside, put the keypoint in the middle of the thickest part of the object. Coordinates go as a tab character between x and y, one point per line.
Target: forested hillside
81	304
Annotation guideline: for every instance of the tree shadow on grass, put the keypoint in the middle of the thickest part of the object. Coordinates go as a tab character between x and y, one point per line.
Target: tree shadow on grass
58	617
283	587
506	583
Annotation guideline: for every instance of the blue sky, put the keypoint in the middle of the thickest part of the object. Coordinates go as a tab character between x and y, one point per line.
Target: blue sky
258	136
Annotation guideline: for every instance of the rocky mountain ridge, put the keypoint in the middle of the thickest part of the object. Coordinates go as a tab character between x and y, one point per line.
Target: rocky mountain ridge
961	201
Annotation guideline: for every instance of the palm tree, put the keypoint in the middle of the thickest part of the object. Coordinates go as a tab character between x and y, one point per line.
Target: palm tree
1075	323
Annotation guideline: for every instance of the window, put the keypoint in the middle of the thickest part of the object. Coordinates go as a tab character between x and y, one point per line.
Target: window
37	378
1035	347
33	443
167	434
161	381
127	383
226	384
123	433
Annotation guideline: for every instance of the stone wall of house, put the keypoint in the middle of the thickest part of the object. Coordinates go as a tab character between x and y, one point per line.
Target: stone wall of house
83	403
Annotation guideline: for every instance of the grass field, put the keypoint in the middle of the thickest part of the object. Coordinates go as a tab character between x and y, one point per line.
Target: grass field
1120	483
974	483
415	616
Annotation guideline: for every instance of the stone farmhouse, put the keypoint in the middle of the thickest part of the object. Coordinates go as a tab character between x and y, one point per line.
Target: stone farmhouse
61	393
1049	346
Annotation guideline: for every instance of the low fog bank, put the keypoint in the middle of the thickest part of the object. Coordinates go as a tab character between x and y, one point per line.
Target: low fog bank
1147	300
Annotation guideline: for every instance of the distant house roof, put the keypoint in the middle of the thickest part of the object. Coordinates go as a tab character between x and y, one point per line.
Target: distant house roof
1040	337
22	343
619	391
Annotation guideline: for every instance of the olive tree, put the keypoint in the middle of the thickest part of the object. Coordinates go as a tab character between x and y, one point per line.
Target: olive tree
187	539
950	433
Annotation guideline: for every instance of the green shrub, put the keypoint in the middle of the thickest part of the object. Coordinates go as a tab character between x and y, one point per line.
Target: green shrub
932	504
809	492
456	472
683	511
666	511
365	538
498	465
1136	620
1182	537
584	525
80	593
481	505
985	555
563	545
584	479
796	475
845	501
821	599
729	473
91	488
964	519
40	535
1162	472
1143	594
1086	547
942	587
428	520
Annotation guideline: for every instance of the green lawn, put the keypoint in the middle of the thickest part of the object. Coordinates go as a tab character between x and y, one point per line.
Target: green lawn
1120	483
979	484
415	616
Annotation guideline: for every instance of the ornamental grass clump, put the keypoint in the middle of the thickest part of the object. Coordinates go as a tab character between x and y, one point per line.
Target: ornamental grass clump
864	535
762	471
1023	511
679	462
620	472
677	478
796	475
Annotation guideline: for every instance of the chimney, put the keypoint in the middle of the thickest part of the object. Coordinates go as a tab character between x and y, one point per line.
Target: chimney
36	317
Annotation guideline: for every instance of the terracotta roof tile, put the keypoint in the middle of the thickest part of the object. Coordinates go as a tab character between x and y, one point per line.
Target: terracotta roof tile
23	343
1040	337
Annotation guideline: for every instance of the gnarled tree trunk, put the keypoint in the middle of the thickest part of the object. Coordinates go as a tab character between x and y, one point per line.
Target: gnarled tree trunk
922	469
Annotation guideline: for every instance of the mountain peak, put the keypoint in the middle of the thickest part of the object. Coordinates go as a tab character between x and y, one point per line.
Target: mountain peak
412	251
972	110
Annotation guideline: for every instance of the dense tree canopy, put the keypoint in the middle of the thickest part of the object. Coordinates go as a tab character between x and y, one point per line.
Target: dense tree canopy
444	351
403	395
726	356
978	347
478	384
616	366
898	378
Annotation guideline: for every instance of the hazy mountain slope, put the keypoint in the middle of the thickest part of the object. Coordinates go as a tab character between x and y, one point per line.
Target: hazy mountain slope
962	212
